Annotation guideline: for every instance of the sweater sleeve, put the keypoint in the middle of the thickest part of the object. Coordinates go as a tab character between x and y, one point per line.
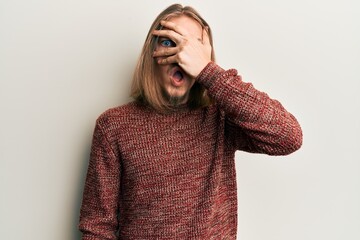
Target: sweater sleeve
98	214
254	122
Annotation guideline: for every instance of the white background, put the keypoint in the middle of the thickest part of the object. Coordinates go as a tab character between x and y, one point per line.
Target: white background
62	63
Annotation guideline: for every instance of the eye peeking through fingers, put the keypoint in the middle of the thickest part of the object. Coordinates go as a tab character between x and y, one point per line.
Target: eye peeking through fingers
167	43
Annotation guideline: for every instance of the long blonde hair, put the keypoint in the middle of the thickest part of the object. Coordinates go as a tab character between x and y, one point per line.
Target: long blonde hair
145	88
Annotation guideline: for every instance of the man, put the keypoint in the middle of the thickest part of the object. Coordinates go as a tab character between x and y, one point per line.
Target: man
162	166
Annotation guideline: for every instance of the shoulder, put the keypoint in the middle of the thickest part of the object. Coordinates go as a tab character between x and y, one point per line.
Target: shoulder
120	110
121	115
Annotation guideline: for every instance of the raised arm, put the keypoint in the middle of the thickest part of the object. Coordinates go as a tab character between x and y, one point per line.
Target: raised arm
255	122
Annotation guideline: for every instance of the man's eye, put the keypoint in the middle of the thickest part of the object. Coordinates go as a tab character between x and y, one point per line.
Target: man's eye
167	43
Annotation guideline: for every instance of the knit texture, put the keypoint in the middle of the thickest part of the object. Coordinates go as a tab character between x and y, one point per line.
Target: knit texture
172	176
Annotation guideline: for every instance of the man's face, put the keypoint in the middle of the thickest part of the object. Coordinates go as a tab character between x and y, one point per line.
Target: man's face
175	83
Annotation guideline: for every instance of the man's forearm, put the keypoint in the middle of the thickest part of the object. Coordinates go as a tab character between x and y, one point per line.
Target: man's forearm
269	127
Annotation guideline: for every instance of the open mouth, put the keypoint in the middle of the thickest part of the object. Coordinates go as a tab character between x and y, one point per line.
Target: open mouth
178	76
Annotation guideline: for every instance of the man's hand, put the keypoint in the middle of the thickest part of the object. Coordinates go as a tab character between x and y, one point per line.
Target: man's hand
192	53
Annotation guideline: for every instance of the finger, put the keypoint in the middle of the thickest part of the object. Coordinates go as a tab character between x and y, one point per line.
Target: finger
168	60
174	27
165	52
168	34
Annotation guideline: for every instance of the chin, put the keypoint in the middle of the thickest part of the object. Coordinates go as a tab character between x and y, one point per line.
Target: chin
176	98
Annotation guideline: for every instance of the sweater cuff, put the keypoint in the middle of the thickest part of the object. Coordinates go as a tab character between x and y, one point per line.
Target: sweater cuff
209	74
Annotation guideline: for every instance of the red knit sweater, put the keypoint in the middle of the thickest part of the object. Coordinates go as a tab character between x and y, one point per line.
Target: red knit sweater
172	176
